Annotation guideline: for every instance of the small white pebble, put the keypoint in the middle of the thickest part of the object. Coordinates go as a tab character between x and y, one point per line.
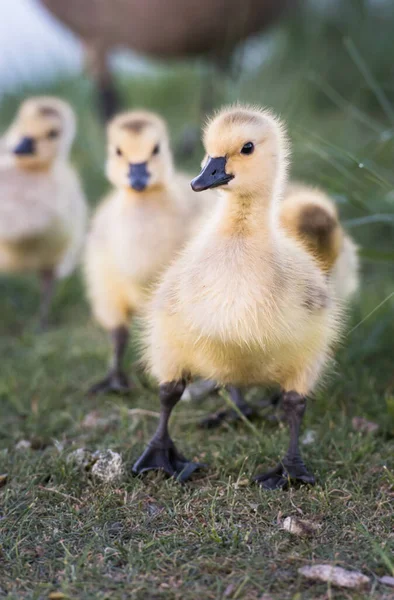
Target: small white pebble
108	466
387	580
336	576
80	457
299	527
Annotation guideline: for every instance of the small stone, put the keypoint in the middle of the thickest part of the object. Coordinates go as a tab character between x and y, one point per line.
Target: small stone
23	445
387	580
336	576
108	466
299	527
81	457
363	426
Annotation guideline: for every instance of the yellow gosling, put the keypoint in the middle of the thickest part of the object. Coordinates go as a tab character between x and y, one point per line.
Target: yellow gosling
137	229
245	303
43	209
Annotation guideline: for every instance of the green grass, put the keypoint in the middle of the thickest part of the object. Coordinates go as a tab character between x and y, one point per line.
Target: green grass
219	536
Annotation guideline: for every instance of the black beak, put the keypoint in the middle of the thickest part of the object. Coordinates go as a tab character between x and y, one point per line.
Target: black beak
138	176
213	175
25	147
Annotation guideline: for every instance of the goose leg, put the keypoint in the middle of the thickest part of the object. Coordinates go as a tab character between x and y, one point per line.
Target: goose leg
231	415
116	381
161	453
292	467
47	278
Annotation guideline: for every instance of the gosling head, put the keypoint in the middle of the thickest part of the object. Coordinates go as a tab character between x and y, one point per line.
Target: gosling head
139	156
42	132
246	152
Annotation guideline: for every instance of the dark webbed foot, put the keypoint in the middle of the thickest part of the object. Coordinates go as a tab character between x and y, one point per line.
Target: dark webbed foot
116	382
285	474
292	468
161	453
165	457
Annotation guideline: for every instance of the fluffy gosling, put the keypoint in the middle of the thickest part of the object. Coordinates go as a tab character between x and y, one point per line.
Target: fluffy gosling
245	303
136	230
42	208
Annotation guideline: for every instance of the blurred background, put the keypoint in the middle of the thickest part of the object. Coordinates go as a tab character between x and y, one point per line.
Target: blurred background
325	65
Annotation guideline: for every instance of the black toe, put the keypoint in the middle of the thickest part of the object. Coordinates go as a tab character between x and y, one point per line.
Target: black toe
285	474
114	383
167	459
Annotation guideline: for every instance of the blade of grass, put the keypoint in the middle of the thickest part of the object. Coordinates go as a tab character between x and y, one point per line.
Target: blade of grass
369	78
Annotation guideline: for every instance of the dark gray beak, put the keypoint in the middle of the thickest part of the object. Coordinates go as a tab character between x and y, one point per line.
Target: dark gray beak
138	176
213	175
25	147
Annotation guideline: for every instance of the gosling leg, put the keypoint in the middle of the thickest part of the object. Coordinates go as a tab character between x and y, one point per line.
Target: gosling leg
161	453
244	409
292	468
229	415
116	381
47	280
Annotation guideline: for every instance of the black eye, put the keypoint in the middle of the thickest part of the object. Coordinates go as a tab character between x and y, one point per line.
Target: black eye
156	149
247	148
53	134
119	152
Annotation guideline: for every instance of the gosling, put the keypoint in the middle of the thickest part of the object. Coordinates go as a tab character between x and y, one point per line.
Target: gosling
136	230
309	215
245	303
43	209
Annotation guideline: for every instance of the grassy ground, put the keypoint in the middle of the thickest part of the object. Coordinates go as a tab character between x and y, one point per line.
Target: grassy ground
219	536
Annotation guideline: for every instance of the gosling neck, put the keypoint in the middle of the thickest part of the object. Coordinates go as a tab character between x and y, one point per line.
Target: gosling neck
245	215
